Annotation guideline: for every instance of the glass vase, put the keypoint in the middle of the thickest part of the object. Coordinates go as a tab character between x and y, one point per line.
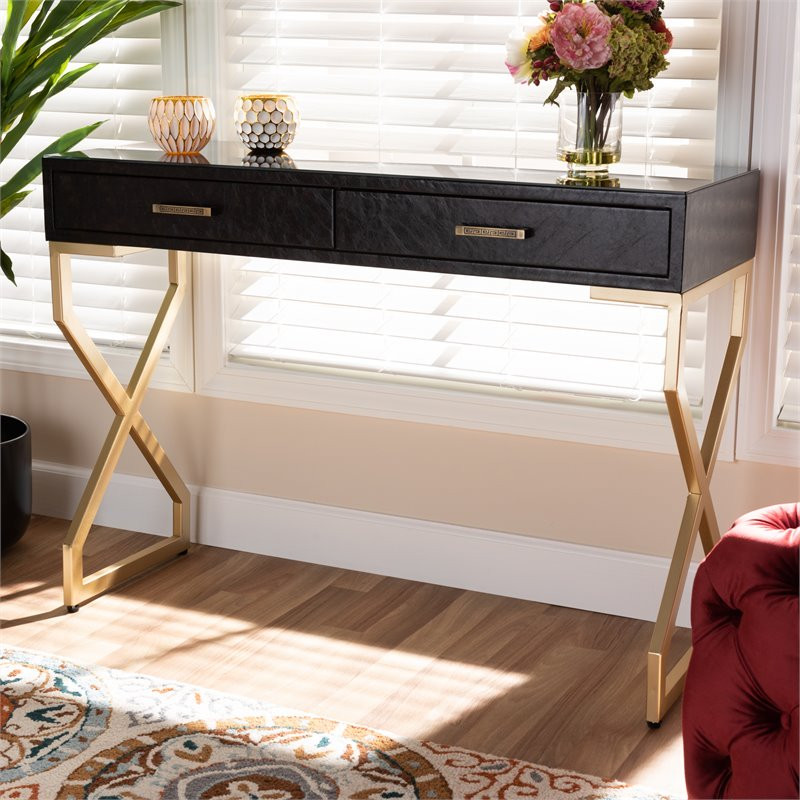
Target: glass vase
589	132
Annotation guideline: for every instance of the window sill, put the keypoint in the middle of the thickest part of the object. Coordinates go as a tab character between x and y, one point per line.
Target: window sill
538	415
56	358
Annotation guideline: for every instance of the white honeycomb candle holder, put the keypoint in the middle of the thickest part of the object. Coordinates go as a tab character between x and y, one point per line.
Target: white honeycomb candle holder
269	159
181	125
266	121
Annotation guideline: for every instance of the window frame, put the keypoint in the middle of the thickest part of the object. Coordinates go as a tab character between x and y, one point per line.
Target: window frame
530	414
759	437
175	371
192	38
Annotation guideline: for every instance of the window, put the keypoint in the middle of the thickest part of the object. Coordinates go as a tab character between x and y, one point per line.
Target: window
399	82
115	299
402	82
789	389
767	428
423	81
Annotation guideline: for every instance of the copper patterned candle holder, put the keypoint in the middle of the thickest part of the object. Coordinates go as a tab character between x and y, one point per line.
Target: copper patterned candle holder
181	125
184	158
266	121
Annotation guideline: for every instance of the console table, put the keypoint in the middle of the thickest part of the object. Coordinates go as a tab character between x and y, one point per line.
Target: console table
661	242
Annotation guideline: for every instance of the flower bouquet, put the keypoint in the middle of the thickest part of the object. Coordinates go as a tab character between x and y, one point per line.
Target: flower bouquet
602	48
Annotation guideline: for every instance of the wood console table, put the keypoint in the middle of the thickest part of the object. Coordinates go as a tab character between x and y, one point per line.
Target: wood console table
661	242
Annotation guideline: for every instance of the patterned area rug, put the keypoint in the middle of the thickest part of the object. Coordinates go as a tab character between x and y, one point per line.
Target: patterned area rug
70	731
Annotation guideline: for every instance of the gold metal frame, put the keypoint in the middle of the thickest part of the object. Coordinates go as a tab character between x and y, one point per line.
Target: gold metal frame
128	421
664	687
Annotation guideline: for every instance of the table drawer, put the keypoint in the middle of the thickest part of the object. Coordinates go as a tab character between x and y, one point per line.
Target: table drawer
556	235
219	211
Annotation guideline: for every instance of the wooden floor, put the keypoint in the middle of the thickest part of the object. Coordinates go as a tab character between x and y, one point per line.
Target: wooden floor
542	683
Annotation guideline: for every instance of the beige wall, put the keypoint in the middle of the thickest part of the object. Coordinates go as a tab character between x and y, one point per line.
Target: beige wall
600	496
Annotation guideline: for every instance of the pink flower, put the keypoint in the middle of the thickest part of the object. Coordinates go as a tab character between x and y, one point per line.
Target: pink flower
580	36
642	6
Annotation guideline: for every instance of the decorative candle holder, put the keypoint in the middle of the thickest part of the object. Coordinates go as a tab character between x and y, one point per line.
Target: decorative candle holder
266	121
181	125
269	159
184	158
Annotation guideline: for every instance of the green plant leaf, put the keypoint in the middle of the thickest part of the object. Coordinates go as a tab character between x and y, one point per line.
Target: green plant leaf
29	111
15	14
35	70
64	16
51	88
9	51
70	77
27	173
41	33
133	11
7	266
30	9
10	201
31	68
40	16
111	16
560	86
64	50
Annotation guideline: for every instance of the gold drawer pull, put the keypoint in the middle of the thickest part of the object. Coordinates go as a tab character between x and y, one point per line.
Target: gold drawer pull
183	211
490	233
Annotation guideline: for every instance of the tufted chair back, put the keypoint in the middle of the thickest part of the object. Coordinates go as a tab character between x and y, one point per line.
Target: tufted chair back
740	706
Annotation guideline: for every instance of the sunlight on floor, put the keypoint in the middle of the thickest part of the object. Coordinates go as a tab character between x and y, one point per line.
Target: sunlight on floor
493	675
664	760
328	675
15	589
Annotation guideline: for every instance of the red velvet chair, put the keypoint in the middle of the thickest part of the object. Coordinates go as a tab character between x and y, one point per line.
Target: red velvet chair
740	715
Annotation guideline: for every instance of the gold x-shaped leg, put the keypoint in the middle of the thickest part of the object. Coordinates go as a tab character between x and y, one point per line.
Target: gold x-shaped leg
664	687
128	421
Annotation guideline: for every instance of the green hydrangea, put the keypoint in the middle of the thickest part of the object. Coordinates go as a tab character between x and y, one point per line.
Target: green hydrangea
637	54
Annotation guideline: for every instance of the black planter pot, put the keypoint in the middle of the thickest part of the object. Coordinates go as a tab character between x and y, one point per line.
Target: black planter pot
15	479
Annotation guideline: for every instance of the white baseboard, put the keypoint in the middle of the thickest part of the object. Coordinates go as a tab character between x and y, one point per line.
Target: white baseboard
543	570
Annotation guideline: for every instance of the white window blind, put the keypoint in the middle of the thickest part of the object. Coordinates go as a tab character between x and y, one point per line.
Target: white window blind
423	80
488	332
115	299
789	411
406	82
